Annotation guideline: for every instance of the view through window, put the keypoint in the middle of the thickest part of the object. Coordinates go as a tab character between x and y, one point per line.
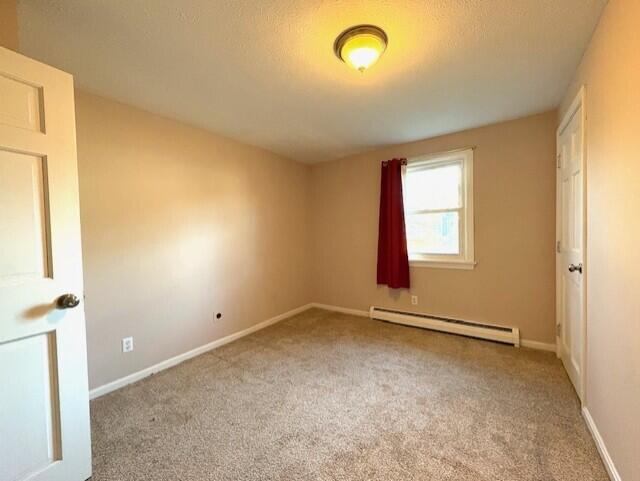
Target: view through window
438	207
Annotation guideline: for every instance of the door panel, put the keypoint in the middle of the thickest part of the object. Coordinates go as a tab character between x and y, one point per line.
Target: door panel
23	224
20	104
32	412
44	415
571	233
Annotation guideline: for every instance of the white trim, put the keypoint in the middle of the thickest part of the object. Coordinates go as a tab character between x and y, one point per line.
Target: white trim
578	103
602	448
131	378
343	310
541	346
491	332
161	366
444	154
465	265
466	257
435	211
357	312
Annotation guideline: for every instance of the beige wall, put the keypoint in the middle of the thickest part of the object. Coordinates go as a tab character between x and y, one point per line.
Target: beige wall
514	183
611	72
178	224
8	24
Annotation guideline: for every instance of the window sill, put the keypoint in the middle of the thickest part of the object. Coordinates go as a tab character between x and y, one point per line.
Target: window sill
464	265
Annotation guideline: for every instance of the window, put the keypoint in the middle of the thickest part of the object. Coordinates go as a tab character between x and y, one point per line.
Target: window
438	203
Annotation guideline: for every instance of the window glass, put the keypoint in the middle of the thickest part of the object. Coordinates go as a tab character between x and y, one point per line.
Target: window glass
435	233
438	203
433	188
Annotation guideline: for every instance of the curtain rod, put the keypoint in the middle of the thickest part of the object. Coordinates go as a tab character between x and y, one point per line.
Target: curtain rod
403	161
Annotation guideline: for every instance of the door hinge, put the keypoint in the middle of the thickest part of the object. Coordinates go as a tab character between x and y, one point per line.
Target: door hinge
558	247
558	330
558	158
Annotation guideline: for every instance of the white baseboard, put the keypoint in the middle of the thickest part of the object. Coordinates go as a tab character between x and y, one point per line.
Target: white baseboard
356	312
543	346
602	449
136	376
343	310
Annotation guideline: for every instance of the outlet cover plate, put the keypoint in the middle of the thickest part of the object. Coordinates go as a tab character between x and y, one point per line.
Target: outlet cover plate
127	344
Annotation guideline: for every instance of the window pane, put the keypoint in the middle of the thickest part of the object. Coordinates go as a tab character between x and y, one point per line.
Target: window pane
434	188
433	233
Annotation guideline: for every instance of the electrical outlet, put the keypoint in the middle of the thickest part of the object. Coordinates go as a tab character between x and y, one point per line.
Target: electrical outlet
127	344
414	300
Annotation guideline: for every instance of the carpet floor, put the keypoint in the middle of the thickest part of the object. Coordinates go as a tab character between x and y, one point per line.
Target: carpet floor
326	396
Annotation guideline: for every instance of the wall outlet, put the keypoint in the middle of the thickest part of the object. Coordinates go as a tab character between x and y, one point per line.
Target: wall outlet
127	344
414	300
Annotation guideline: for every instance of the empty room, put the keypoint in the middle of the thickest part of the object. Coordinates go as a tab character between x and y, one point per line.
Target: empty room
331	240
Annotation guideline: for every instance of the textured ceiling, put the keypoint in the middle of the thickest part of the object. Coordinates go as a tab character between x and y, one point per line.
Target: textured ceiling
263	71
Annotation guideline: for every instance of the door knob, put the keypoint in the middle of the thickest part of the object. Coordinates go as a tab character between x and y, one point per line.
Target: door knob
573	268
67	301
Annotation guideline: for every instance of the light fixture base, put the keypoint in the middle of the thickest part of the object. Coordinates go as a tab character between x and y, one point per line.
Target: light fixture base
356	31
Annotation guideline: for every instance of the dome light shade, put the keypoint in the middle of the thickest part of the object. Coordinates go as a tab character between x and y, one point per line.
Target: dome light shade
361	46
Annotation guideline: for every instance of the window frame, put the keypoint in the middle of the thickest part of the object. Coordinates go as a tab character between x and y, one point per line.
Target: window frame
466	258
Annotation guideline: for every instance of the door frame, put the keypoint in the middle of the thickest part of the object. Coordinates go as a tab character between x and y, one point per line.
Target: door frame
579	102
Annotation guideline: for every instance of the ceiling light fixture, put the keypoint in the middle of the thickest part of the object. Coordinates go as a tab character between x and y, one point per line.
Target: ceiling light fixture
360	46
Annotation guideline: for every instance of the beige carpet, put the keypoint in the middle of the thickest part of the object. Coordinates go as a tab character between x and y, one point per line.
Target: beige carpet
325	396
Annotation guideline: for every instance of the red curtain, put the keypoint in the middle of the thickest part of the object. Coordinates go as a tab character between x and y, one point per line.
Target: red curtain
393	260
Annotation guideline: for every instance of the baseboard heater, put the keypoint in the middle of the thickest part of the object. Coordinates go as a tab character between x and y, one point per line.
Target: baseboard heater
491	332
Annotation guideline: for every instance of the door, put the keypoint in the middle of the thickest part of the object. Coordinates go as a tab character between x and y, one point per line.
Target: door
570	258
44	403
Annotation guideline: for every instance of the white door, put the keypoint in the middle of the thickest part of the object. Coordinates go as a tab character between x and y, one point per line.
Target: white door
44	404
570	259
